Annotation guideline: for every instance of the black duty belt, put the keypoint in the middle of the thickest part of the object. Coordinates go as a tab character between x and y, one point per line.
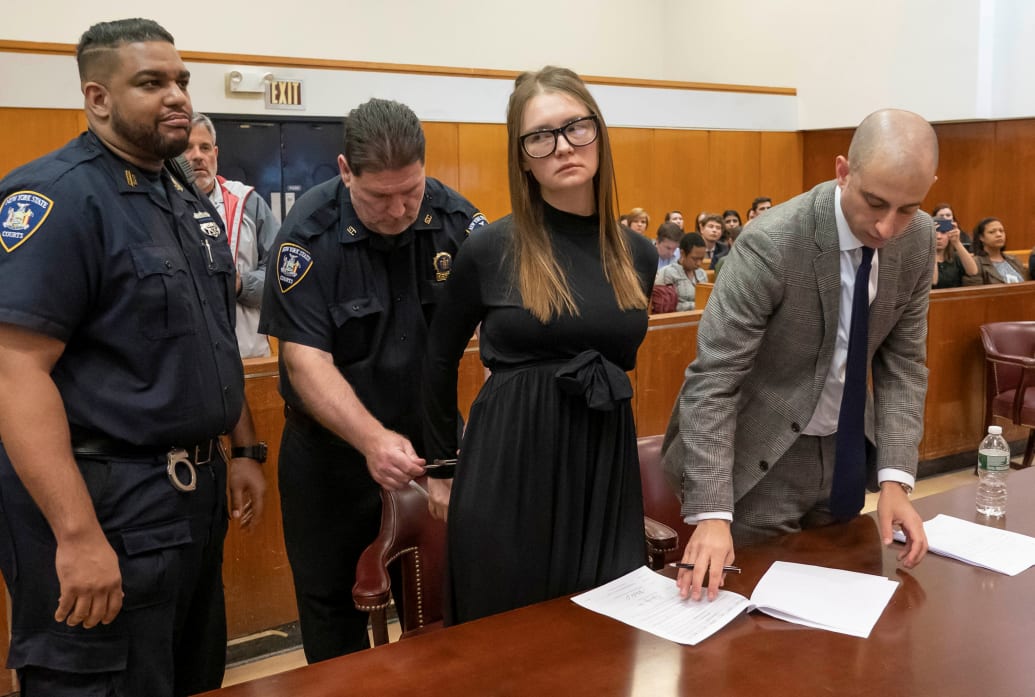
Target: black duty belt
177	458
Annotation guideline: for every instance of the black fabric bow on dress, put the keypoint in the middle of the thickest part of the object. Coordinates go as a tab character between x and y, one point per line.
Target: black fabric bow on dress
594	378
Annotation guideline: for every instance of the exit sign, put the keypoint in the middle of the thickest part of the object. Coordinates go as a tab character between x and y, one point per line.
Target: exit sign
284	94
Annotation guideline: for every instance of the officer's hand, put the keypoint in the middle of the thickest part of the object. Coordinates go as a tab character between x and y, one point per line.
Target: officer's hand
91	583
438	497
391	459
247	488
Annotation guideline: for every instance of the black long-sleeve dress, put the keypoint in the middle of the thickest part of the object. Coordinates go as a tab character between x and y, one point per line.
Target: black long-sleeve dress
546	499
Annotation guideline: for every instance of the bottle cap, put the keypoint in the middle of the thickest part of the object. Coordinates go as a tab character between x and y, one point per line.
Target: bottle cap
995	430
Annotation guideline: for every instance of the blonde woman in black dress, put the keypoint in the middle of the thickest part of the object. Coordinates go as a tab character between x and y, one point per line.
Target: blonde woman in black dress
546	498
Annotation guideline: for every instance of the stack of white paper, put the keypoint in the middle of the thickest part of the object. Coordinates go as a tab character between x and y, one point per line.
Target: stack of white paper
1007	552
839	601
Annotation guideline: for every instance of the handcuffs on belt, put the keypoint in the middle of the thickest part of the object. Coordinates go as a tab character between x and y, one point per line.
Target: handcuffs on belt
179	456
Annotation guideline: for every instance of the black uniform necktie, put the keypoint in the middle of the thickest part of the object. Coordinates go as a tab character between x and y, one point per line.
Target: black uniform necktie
848	489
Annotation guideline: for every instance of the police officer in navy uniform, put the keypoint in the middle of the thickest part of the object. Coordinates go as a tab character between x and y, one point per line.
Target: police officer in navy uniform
359	264
118	370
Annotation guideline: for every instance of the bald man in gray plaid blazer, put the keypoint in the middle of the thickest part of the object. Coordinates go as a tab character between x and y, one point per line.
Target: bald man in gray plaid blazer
749	446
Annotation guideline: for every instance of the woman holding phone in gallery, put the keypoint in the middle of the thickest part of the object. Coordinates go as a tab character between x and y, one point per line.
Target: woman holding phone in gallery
952	260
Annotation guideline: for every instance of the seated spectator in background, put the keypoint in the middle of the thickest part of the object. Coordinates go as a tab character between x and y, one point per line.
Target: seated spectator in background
759	206
687	272
674	217
711	231
638	220
667	244
729	229
699	220
943	211
731	223
993	265
250	230
1031	264
952	260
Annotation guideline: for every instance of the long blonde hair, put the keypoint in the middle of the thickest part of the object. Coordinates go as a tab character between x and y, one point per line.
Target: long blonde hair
544	289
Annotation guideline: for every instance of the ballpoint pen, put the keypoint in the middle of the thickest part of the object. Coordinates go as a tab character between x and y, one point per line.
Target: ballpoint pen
725	569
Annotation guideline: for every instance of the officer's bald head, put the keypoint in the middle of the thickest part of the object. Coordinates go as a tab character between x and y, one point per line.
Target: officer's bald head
97	54
896	138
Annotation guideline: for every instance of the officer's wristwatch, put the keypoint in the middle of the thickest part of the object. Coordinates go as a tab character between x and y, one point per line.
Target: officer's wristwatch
255	452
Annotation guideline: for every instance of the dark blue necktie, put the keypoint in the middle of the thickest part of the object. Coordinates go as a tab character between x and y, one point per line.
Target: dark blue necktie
848	489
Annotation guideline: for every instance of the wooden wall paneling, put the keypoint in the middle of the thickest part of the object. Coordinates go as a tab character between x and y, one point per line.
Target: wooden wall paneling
8	680
633	153
966	171
670	346
679	172
779	168
819	148
732	170
26	134
954	413
482	150
1013	171
470	378
442	157
259	590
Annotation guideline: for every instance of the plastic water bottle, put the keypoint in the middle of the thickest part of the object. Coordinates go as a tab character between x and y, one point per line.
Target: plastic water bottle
993	467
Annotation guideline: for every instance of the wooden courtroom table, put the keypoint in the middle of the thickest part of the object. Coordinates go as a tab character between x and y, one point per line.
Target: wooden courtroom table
950	630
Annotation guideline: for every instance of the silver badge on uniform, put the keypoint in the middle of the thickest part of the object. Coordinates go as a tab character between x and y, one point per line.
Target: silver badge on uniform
211	228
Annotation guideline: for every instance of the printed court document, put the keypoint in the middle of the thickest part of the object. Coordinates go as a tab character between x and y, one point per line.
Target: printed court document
1007	552
813	596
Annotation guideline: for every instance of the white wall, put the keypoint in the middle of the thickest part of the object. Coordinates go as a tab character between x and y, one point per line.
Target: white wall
845	57
332	93
601	37
946	59
1013	56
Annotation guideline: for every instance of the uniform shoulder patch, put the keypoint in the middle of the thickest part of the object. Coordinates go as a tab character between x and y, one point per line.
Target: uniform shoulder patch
477	221
21	215
293	263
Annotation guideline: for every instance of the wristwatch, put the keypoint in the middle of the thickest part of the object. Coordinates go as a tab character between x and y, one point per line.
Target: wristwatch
255	452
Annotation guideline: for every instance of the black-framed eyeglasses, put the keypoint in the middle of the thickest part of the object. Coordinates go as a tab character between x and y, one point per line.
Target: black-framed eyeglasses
578	132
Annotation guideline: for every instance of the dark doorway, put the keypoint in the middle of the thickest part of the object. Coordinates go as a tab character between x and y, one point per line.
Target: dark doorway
282	157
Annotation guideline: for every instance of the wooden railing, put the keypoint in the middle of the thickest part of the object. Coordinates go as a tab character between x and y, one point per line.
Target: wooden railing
257	578
258	581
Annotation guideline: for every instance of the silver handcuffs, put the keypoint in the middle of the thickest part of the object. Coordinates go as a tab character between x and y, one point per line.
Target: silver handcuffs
174	458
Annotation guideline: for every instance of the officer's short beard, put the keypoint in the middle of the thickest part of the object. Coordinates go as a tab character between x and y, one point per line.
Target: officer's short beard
148	139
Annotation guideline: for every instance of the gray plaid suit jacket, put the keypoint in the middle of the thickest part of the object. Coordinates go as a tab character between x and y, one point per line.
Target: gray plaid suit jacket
765	344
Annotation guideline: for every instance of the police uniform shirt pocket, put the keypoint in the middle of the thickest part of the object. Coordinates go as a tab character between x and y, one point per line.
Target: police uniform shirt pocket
431	296
356	324
431	292
151	564
163	292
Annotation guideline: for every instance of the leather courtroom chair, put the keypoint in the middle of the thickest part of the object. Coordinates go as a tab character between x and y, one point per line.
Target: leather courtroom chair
663	524
1010	383
408	534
